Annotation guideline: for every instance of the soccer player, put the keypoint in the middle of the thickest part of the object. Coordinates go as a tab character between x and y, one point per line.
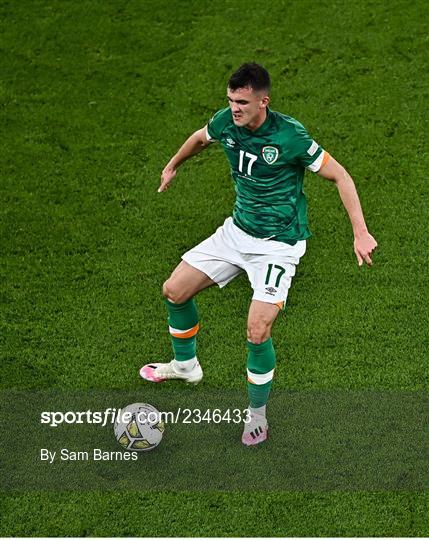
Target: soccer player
265	237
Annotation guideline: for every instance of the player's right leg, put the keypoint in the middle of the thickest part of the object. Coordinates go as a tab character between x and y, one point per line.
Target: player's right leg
213	261
183	284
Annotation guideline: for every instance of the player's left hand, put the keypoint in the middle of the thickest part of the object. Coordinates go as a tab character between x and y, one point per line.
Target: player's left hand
364	245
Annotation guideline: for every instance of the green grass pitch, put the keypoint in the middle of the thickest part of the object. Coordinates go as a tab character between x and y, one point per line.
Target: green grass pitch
96	95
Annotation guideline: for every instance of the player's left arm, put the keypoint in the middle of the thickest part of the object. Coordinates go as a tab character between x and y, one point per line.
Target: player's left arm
364	243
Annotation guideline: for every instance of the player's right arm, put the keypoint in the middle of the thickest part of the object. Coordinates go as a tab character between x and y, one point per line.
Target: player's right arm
192	146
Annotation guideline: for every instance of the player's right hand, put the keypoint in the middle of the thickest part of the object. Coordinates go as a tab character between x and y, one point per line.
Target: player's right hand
167	175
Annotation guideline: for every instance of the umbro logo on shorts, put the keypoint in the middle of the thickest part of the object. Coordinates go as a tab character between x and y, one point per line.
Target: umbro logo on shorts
270	290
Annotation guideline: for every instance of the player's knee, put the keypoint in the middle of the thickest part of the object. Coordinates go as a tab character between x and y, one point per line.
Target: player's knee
172	293
169	291
258	331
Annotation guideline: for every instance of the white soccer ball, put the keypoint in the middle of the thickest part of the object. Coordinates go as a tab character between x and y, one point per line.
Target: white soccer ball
139	427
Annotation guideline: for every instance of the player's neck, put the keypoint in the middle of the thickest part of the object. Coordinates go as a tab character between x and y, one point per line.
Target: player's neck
259	121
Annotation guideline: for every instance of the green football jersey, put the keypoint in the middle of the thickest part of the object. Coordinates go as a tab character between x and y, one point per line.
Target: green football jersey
267	167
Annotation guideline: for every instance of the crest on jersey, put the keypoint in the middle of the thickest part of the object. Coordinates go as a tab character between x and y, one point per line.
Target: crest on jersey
270	154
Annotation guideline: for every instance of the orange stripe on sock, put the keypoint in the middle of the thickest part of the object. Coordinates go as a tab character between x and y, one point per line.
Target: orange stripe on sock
250	380
189	333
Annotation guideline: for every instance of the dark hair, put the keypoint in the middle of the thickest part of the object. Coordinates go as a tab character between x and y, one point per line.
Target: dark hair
250	76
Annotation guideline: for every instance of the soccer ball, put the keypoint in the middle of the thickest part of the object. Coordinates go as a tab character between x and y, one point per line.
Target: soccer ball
139	427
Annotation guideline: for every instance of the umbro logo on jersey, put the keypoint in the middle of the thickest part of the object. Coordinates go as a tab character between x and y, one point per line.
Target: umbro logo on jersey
270	154
230	142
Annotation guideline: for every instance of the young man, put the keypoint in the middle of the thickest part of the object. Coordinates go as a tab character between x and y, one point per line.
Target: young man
266	237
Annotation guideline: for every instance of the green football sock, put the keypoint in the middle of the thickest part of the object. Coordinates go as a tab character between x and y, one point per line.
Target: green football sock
261	361
183	327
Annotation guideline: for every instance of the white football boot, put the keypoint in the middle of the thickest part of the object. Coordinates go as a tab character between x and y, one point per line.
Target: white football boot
255	431
163	372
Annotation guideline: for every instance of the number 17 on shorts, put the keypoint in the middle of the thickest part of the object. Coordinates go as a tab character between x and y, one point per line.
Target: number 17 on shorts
272	281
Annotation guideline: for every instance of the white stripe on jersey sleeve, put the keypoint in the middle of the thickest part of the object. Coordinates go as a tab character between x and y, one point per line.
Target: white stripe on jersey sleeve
317	163
210	139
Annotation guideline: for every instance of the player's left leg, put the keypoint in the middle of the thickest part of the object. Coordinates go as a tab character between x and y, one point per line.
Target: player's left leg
271	276
261	361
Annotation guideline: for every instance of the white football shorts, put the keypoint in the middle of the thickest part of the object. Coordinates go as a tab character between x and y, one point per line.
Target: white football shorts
269	264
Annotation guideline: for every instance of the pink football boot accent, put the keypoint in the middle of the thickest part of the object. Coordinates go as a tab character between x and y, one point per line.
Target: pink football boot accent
158	372
255	437
148	372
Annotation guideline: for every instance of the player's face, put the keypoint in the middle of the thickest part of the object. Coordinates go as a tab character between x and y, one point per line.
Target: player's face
248	107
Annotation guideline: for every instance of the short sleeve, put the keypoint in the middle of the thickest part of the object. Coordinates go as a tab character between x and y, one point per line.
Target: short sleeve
217	124
305	150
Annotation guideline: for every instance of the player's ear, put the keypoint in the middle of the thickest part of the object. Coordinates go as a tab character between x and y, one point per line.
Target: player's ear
264	101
